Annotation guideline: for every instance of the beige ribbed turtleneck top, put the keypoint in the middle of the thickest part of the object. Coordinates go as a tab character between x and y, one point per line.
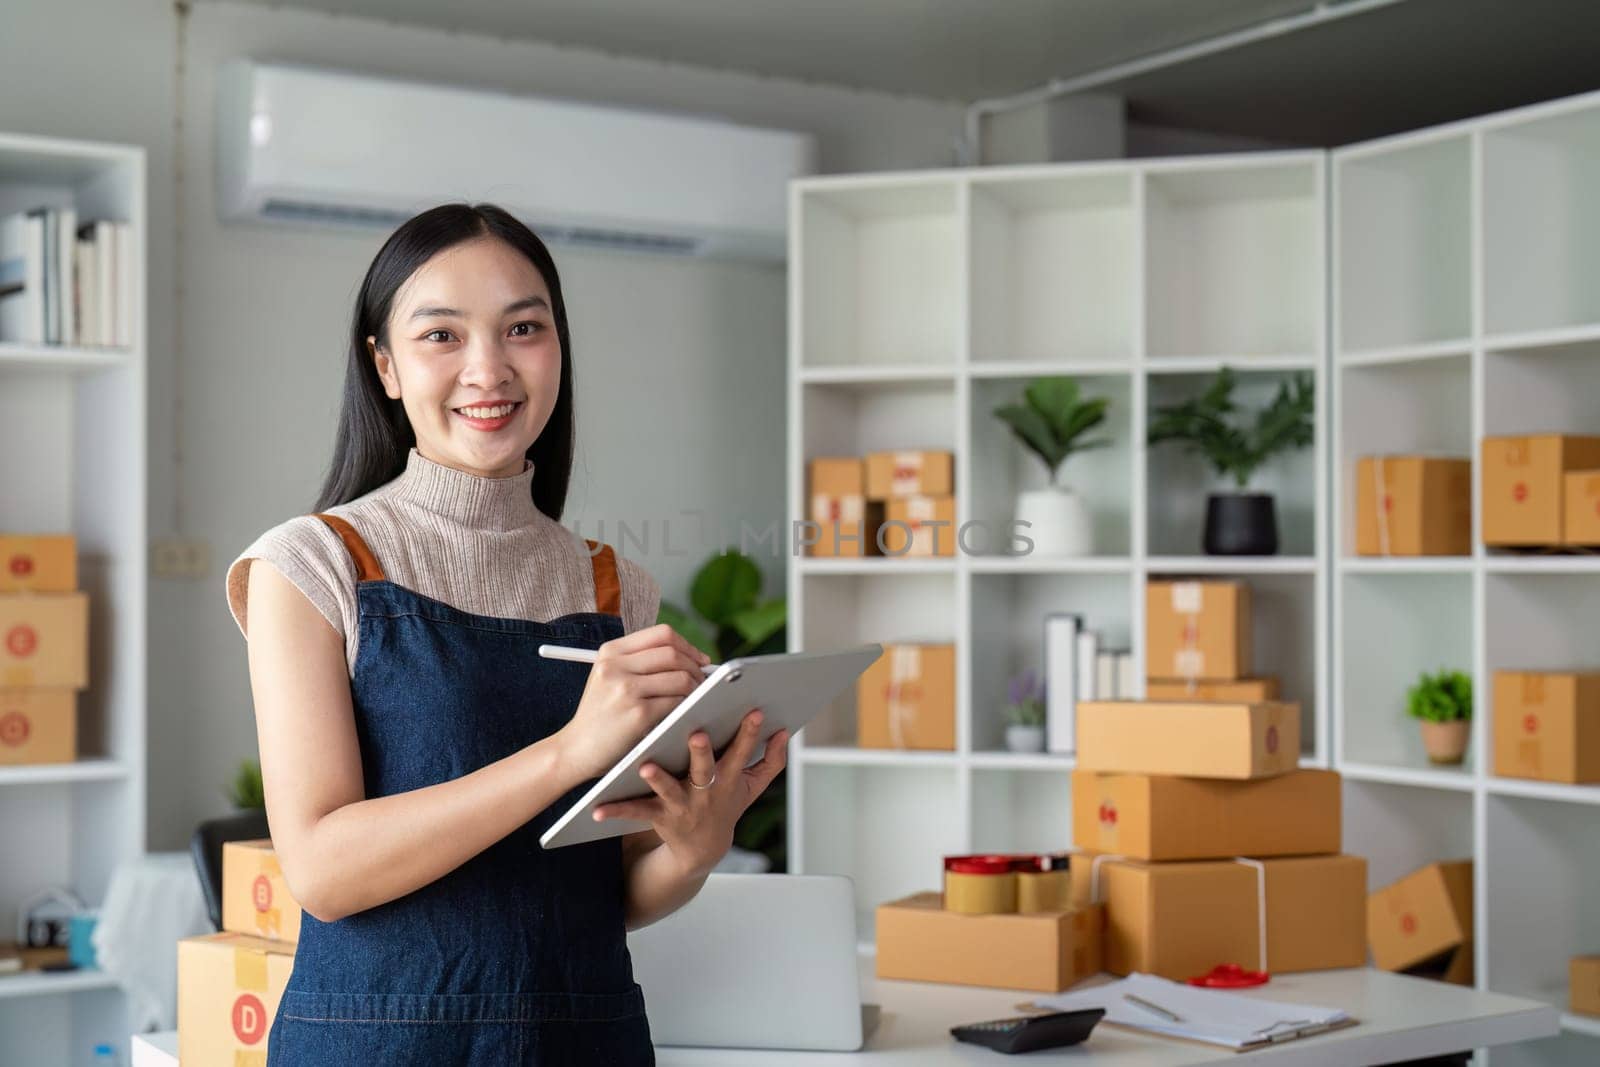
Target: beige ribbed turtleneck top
478	544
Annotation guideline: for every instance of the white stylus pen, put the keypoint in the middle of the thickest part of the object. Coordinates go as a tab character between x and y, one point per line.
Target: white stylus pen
588	655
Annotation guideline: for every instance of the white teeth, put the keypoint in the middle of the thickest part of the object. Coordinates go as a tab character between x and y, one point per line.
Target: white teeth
487	413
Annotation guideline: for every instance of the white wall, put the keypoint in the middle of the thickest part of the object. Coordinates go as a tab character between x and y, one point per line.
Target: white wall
679	363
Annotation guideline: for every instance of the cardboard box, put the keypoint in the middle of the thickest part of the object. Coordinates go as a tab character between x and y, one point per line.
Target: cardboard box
1523	485
838	486
255	899
1580	508
1583	990
1182	919
229	986
44	640
1047	951
1192	689
907	699
47	563
1413	506
1195	739
854	537
1424	921
920	526
1547	725
1155	817
1197	629
909	473
38	726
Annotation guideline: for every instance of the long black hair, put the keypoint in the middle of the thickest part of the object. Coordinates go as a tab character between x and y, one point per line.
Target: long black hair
374	433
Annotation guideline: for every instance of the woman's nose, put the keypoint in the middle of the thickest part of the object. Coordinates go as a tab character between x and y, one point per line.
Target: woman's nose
486	363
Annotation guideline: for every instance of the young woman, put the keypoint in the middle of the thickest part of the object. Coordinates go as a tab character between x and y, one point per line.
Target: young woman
414	745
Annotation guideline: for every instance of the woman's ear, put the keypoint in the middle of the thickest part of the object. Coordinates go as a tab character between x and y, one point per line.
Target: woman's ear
385	364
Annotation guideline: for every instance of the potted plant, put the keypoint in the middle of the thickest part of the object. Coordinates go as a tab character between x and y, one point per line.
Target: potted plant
1239	523
1025	714
1442	705
1052	422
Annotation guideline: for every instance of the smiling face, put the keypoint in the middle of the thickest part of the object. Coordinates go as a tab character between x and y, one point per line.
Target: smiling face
472	353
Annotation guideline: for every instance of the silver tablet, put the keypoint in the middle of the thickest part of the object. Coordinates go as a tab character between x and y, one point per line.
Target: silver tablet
789	688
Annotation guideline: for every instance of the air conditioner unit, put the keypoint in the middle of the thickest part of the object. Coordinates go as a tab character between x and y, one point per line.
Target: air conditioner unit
305	145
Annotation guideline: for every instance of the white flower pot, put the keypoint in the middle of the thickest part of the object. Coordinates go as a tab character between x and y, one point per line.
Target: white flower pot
1059	522
1024	738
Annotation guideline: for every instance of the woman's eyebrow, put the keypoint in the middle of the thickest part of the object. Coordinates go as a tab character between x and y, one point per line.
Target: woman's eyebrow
524	304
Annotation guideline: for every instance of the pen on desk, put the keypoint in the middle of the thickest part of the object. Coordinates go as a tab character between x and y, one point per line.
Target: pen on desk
1156	1008
588	655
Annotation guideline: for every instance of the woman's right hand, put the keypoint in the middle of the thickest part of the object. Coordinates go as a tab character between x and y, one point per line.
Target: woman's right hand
635	680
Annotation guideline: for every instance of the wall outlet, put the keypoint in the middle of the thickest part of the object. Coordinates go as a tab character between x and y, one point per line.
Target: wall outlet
179	557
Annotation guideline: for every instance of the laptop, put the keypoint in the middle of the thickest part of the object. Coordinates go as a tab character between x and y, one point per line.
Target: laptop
756	961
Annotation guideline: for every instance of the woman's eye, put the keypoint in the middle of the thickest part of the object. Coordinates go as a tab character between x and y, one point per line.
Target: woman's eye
439	335
533	327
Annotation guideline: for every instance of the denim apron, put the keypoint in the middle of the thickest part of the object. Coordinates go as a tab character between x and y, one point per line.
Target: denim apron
518	956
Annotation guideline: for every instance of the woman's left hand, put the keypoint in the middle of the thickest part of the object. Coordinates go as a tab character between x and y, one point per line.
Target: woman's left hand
695	819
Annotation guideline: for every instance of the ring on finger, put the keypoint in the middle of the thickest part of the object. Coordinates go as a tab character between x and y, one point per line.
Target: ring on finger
708	785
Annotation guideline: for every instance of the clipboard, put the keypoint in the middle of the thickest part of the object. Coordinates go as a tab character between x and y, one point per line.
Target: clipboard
789	688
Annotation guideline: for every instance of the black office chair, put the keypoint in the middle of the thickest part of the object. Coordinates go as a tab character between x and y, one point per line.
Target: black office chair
206	848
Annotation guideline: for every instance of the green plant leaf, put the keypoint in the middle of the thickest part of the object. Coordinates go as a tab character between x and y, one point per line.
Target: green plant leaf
726	584
245	791
1033	430
1203	426
757	624
1442	697
687	625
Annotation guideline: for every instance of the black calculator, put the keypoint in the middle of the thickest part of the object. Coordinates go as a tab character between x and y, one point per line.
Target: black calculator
1028	1033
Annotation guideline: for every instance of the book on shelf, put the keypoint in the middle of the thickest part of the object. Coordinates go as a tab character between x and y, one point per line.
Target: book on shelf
1076	669
65	283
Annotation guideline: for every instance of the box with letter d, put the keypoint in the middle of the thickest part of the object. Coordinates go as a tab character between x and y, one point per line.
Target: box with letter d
229	986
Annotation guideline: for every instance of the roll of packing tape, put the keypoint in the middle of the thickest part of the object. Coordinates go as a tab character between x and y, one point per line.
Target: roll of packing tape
980	885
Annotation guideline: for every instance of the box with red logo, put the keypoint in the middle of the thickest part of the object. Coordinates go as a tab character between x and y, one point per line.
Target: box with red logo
1547	725
1423	923
1157	817
1580	508
909	473
920	940
44	640
46	563
907	698
38	726
1196	629
255	898
1182	919
1583	987
920	526
229	986
1193	739
1523	484
1413	506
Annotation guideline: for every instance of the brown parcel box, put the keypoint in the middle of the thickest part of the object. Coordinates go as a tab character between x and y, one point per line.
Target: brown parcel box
229	986
1424	921
1583	990
907	699
1413	506
1580	508
856	536
255	898
1182	919
836	476
38	726
1155	817
1197	629
1523	485
1242	689
1547	725
1047	951
909	473
47	563
1193	739
44	640
920	526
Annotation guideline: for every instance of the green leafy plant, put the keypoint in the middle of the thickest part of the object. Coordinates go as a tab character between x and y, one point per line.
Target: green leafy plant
245	790
1212	426
1026	695
1442	697
731	619
1053	419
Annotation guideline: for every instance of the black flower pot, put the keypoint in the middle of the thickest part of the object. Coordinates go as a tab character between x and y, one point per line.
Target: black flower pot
1241	524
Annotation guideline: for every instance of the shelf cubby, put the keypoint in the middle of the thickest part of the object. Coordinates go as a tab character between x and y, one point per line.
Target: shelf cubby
1399	828
1546	388
1021	811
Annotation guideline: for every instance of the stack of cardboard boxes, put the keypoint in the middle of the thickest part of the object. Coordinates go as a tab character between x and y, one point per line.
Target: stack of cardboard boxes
898	503
1198	642
44	641
1541	491
229	984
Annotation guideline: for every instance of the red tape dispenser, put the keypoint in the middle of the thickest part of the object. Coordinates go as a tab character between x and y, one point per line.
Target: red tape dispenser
1230	976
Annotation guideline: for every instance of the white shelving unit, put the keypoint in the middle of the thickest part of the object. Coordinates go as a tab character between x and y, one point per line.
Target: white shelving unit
72	459
919	302
1467	303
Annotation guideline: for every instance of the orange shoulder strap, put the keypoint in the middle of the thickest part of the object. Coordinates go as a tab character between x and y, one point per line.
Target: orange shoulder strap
607	587
367	569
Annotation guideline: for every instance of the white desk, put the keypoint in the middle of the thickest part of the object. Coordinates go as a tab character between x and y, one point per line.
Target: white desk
1401	1018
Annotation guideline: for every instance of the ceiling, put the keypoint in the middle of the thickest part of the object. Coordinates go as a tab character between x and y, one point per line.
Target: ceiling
1409	64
